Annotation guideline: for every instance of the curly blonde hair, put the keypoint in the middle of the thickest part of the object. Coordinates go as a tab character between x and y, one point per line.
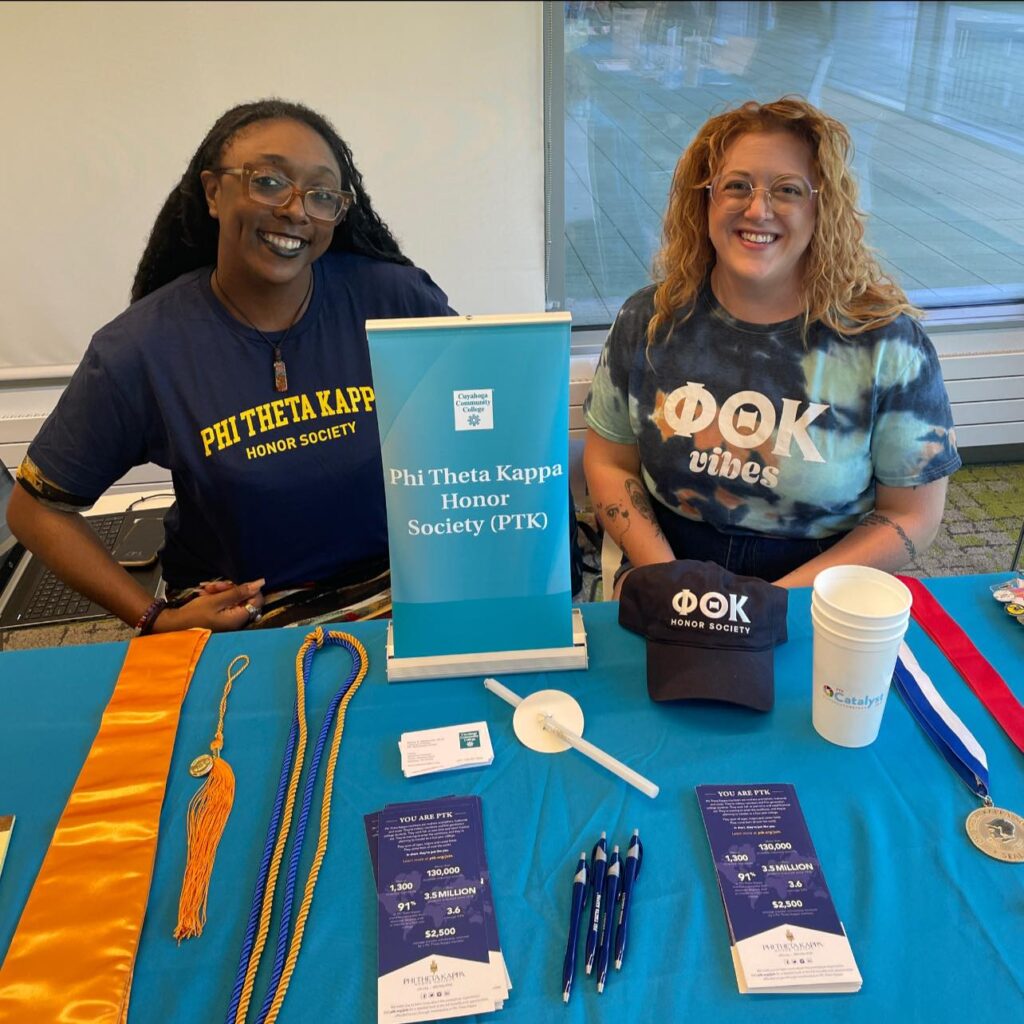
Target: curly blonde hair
843	287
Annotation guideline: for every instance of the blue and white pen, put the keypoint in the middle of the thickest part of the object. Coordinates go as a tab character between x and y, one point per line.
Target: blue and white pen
598	863
611	892
579	897
630	873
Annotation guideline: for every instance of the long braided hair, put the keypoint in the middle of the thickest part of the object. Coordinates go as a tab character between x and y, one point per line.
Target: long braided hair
184	236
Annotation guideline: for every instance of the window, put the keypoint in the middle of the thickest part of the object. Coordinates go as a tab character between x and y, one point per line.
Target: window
931	93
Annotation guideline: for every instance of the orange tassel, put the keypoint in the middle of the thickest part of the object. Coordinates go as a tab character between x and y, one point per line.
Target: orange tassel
208	813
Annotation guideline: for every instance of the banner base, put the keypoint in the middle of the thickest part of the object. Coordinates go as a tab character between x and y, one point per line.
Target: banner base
442	666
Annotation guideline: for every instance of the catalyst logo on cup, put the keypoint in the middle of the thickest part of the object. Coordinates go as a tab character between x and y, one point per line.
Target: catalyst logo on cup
839	696
712	606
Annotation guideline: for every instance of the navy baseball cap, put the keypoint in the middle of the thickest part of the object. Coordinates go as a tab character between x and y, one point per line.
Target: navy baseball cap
710	633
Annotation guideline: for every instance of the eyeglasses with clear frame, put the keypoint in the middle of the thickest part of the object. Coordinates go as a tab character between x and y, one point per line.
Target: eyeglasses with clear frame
785	195
270	187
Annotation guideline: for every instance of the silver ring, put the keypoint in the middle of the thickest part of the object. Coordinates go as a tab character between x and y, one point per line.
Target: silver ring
253	612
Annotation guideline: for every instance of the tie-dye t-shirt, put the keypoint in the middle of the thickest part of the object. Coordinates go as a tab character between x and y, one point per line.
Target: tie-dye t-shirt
750	428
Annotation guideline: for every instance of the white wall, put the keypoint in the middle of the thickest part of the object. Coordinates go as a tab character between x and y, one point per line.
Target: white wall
104	104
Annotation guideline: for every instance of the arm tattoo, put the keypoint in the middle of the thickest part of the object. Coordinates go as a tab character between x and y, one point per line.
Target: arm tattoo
612	513
638	496
877	519
619	512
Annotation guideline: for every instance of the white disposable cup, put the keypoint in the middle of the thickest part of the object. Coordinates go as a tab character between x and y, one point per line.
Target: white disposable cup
867	638
850	683
862	596
858	630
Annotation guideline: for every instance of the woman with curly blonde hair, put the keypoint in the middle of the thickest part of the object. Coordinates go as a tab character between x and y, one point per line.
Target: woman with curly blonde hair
770	403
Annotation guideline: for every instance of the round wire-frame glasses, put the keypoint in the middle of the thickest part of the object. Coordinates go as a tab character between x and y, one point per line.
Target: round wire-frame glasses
784	195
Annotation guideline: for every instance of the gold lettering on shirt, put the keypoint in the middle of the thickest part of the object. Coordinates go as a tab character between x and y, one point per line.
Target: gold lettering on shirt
325	405
280	413
247	416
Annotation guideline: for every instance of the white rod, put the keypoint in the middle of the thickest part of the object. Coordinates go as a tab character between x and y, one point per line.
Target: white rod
503	692
597	754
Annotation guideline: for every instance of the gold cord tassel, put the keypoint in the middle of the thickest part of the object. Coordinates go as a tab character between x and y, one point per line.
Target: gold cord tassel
208	813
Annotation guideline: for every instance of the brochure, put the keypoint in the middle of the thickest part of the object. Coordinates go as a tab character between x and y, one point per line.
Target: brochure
438	950
784	932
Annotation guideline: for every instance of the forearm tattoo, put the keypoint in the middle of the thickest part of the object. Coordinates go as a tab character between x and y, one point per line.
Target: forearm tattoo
638	496
614	512
619	512
877	519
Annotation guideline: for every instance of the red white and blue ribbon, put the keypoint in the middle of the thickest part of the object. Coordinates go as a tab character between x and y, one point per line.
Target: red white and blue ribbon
954	740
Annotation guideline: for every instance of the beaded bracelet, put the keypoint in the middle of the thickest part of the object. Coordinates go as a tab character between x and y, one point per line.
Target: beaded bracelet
146	621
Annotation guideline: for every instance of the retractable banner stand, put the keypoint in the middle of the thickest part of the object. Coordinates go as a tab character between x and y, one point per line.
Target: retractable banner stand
474	424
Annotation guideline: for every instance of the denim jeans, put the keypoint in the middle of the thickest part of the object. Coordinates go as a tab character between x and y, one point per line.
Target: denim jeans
746	554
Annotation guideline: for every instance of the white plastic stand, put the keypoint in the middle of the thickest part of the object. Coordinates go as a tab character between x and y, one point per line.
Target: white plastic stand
529	715
535	715
443	666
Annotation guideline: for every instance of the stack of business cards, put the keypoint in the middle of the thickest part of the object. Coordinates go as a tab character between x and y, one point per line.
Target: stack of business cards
444	750
438	953
784	932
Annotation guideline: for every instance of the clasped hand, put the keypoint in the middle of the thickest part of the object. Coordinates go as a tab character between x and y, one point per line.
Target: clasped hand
221	606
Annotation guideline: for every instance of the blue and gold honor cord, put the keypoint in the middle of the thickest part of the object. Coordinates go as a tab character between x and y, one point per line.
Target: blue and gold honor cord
287	948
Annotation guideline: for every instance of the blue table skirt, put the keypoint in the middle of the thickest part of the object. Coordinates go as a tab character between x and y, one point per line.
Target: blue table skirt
937	928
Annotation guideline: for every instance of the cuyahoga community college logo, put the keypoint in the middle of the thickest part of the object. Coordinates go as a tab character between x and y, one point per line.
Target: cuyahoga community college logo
474	410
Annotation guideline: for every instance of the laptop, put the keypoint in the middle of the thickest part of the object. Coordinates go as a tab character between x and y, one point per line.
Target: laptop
30	595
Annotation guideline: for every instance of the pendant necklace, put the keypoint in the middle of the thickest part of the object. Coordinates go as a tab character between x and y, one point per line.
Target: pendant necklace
280	370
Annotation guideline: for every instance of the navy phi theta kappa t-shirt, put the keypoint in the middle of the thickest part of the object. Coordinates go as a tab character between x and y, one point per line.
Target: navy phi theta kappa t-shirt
283	486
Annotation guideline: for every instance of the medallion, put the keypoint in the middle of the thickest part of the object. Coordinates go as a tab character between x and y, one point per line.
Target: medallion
200	766
997	832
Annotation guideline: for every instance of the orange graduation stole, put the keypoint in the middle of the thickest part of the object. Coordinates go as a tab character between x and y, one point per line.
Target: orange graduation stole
73	952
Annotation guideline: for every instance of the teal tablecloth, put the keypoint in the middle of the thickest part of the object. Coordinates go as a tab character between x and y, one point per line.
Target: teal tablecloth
937	928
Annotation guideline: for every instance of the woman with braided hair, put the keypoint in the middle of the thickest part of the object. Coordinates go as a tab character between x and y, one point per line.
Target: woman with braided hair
770	403
241	365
